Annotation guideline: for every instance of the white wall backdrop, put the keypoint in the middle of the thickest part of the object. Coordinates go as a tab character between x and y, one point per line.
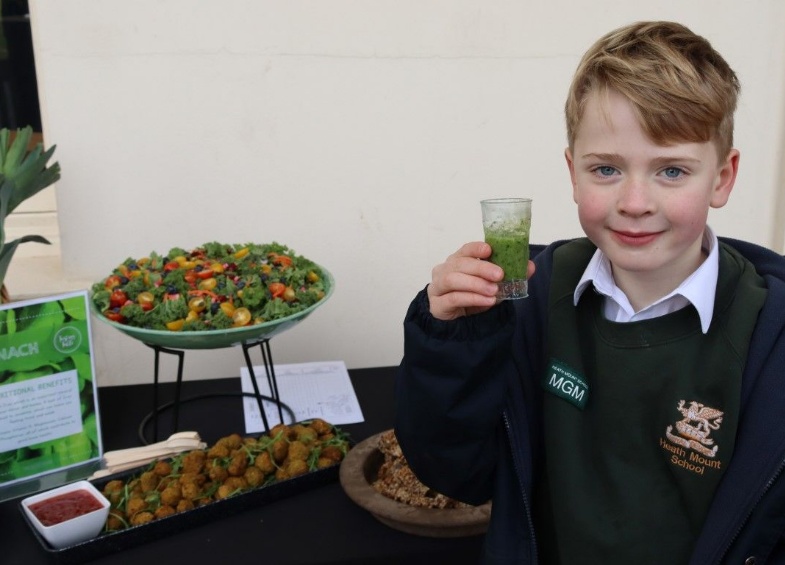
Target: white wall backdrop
360	133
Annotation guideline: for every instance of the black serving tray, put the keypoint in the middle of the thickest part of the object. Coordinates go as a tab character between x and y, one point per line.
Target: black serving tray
113	542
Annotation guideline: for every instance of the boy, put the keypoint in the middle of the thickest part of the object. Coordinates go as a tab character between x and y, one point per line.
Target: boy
630	410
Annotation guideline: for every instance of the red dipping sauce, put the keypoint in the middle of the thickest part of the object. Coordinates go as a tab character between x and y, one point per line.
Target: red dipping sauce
64	507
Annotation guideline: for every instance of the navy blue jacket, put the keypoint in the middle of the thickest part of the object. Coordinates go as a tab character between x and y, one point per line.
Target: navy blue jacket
468	420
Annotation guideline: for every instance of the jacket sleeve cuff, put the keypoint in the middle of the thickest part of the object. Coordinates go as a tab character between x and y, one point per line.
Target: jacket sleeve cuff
476	326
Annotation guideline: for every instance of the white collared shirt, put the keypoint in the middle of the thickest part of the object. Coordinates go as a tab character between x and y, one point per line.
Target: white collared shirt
698	289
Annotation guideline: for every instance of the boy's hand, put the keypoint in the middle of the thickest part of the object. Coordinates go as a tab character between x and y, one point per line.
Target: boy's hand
465	285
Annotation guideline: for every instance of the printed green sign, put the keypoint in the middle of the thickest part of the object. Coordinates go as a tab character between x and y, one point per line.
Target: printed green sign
48	400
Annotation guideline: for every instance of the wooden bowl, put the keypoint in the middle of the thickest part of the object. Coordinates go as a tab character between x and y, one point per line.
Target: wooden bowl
359	470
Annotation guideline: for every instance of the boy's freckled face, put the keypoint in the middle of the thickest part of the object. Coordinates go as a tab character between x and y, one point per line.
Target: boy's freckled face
645	205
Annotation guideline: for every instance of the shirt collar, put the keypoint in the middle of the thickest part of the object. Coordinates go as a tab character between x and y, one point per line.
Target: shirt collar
697	289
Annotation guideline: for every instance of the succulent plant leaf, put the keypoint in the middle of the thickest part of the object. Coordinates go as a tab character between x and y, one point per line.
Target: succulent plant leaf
7	251
23	173
16	151
4	135
6	189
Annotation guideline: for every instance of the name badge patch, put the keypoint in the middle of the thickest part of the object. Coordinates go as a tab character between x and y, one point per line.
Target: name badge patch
566	383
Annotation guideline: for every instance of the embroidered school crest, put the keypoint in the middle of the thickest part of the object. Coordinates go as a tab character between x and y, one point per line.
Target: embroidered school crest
696	427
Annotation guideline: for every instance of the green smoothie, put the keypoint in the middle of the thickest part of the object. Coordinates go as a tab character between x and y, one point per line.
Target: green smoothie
510	250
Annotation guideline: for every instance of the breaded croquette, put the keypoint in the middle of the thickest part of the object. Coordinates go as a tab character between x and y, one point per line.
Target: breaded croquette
193	461
163	511
265	463
238	464
142	518
332	452
280	448
320	426
219	451
162	468
298	450
253	476
135	505
171	495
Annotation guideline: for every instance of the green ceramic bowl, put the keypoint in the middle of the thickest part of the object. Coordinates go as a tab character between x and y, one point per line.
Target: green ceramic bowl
216	339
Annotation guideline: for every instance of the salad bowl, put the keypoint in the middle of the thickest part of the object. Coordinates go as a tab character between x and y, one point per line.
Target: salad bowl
218	338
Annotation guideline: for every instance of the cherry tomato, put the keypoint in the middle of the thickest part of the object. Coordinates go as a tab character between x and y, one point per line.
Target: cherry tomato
240	253
205	274
175	325
112	281
117	298
283	260
227	308
193	315
312	277
208	284
241	317
289	295
277	289
171	266
191	277
114	316
146	300
197	304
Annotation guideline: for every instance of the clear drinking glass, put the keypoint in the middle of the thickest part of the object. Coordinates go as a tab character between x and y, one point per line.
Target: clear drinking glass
507	223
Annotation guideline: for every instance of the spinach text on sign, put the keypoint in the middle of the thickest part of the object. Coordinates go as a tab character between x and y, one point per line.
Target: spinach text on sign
23	350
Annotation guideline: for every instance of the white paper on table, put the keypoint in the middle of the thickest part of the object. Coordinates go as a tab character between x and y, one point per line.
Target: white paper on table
312	390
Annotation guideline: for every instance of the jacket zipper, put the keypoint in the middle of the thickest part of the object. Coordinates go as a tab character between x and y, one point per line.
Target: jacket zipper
766	488
518	473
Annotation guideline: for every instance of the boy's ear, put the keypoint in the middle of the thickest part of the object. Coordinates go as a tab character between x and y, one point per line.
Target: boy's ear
726	178
571	167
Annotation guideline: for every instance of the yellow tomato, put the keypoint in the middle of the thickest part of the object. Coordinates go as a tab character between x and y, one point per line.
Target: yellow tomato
227	308
146	300
197	304
240	253
175	325
241	317
208	284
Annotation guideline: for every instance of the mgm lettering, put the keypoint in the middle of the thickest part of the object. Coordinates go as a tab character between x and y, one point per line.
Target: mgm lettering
568	387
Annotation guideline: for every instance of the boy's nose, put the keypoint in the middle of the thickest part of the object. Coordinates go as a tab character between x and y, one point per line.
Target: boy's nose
634	198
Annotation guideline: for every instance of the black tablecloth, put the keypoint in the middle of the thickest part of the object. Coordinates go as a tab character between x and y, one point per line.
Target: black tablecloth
317	526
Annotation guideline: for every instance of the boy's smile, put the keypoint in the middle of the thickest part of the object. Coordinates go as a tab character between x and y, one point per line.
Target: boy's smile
644	205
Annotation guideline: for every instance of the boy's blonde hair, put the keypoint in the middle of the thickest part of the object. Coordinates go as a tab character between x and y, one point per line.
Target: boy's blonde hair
681	89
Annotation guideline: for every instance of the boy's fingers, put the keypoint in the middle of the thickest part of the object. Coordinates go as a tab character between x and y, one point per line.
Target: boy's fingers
462	282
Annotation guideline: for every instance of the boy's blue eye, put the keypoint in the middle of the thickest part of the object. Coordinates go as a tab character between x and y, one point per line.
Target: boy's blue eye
605	170
672	172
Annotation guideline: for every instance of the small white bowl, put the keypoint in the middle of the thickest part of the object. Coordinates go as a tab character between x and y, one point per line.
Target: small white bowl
74	530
